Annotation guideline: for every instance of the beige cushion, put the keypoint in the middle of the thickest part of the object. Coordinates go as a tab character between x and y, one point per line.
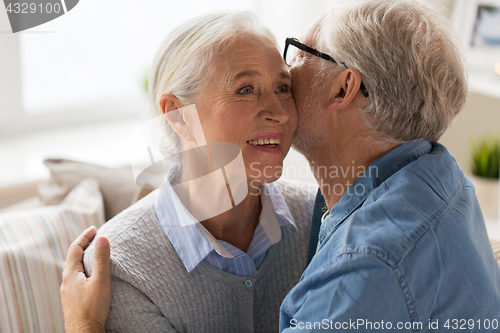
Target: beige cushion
13	194
33	202
141	193
117	185
33	247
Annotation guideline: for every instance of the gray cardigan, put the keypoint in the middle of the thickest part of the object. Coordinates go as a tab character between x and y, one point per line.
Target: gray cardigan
153	292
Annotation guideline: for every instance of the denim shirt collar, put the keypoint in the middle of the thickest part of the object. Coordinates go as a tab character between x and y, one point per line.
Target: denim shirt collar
378	171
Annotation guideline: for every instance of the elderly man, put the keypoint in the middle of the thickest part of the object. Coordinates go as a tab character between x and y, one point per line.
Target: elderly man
403	244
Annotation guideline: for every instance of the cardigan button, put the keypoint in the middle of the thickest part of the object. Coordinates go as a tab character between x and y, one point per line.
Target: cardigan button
248	283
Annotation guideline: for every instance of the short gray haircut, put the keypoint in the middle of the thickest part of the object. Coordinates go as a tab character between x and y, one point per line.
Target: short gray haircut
409	60
185	60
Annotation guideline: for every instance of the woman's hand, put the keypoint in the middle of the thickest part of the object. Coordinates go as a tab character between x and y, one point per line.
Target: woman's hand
85	301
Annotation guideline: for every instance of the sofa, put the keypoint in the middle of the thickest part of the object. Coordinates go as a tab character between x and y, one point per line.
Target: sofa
38	222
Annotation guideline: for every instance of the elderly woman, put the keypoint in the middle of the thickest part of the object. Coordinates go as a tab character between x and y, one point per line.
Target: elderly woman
230	272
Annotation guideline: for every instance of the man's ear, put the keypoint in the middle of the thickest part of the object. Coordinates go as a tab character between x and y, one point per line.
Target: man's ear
171	106
345	89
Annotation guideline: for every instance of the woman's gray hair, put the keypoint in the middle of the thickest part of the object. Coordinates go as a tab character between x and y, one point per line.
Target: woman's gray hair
409	60
185	60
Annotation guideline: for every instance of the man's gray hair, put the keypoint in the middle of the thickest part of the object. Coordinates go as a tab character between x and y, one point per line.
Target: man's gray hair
185	60
409	60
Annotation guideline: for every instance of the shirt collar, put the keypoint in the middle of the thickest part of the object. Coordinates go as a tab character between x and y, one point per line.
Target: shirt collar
193	242
378	171
273	202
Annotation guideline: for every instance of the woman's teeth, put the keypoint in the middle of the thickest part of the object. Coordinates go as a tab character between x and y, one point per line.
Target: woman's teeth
262	142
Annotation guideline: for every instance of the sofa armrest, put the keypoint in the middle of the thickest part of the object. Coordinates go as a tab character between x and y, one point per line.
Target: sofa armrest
13	194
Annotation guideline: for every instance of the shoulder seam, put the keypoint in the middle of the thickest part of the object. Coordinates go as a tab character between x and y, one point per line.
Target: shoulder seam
403	284
428	226
131	225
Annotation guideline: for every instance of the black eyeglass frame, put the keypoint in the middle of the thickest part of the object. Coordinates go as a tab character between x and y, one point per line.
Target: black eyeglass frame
295	42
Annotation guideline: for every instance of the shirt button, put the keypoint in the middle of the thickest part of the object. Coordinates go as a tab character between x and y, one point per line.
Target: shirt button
248	283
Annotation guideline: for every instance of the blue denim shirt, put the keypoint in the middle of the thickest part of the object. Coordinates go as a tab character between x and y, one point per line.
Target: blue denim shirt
405	249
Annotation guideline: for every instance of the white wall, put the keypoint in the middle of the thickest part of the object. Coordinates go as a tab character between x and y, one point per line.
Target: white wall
290	18
10	89
480	116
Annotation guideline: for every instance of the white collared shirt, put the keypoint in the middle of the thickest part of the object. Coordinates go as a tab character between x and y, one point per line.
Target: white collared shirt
194	243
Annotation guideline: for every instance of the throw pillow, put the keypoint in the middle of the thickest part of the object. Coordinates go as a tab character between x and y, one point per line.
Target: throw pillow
117	185
33	247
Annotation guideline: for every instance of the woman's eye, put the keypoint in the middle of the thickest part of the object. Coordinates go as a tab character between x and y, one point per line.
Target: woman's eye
246	90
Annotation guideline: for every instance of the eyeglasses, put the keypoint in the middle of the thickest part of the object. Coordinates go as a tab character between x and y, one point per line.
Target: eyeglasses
288	56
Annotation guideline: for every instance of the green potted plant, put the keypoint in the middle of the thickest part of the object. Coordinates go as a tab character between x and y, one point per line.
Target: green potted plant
486	173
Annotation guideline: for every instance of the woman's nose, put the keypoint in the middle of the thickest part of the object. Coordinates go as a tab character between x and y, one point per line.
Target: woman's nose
274	111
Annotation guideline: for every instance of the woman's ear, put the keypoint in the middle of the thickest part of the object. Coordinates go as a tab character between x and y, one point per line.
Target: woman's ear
345	89
169	103
171	106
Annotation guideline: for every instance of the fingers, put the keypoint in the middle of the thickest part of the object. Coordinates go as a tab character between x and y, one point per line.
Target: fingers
100	264
86	237
75	252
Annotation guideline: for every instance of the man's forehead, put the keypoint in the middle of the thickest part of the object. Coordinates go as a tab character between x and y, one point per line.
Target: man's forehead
311	35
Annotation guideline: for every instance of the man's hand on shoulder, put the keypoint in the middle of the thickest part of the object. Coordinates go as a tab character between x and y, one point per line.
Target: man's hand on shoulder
86	301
